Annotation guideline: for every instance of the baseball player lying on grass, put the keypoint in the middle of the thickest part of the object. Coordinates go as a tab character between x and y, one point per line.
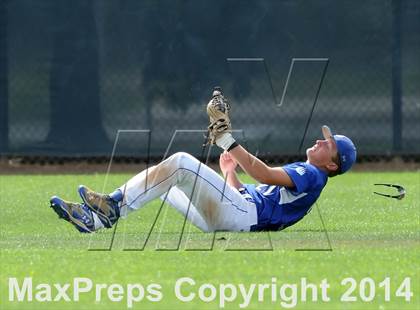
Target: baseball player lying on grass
211	202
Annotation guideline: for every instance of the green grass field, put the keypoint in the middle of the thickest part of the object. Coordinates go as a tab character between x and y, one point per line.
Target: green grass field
366	236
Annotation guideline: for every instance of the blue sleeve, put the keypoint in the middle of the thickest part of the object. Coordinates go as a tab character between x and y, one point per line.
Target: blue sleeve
301	175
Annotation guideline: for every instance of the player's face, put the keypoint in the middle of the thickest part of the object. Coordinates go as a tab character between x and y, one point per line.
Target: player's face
323	153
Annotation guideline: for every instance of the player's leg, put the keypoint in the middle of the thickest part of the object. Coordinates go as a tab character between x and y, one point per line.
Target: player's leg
221	207
149	184
178	200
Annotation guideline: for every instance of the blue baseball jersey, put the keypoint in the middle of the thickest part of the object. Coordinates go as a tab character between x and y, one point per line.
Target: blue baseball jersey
278	206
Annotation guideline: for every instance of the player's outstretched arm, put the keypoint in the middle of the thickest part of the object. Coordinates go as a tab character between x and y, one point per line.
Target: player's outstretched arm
259	170
219	133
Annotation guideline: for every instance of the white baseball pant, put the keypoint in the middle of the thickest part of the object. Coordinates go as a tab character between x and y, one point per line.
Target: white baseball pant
195	190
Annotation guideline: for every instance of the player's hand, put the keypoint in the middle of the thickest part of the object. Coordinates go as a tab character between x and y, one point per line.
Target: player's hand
227	163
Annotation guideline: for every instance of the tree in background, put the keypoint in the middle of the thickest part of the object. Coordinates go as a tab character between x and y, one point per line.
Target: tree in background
74	83
4	102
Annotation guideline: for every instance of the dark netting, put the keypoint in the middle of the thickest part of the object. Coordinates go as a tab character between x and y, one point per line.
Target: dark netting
411	77
78	71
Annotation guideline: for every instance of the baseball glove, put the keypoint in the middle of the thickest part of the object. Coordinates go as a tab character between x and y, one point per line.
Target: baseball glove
218	111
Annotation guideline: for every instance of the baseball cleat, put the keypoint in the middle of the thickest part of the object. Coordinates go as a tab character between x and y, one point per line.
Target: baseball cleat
104	206
77	214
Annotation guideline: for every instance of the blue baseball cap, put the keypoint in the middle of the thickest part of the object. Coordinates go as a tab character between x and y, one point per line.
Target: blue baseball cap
345	149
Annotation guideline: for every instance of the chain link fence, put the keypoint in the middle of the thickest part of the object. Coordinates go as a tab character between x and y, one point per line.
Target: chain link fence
75	72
